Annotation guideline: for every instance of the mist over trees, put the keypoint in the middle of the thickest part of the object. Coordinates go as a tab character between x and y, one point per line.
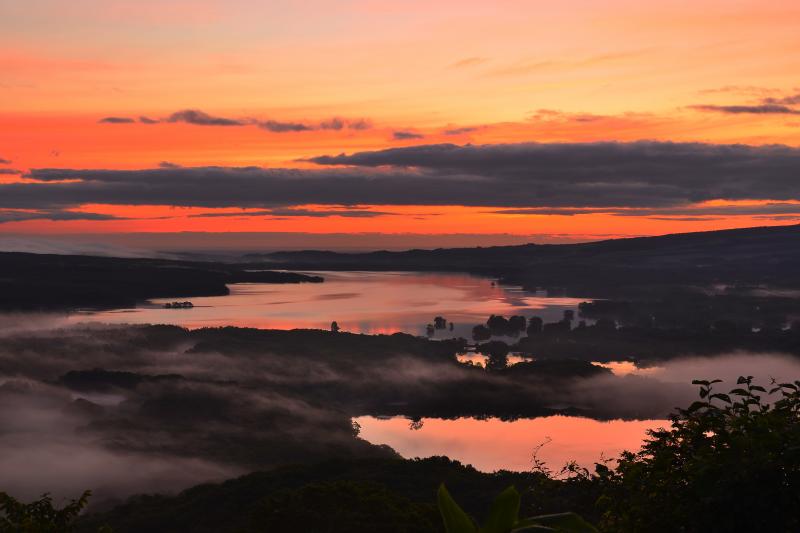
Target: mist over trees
224	401
727	462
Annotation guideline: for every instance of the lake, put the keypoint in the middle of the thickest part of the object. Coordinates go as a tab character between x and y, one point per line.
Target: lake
360	302
493	444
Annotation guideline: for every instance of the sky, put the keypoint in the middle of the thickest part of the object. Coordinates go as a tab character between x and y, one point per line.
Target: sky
366	123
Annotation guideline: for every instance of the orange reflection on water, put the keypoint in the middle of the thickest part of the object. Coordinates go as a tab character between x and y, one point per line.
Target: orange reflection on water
360	302
493	444
479	359
624	368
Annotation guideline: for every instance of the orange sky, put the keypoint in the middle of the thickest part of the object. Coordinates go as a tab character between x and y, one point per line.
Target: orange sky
448	72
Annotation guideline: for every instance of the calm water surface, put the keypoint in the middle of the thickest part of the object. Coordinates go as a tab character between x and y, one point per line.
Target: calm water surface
493	444
362	302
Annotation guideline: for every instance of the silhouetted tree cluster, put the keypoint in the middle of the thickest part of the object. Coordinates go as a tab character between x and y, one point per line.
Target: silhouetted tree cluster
535	325
497	354
511	327
481	333
735	310
556	329
498	325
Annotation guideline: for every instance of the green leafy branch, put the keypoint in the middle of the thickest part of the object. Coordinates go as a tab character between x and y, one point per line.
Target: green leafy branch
504	517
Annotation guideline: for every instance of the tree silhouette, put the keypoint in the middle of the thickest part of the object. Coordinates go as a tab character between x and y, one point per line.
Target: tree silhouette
481	333
535	324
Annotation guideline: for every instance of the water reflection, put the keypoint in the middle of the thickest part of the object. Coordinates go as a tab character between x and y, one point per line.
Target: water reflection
479	359
630	368
493	444
363	302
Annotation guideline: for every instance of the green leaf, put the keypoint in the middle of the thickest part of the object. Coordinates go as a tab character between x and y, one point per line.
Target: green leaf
695	406
454	518
564	522
503	513
723	397
703	382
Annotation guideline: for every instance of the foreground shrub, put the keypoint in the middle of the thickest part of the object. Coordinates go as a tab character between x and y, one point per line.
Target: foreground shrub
342	507
504	517
39	516
730	462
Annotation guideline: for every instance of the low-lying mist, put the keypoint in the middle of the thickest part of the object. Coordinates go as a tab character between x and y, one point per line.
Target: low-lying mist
654	392
728	367
61	245
124	409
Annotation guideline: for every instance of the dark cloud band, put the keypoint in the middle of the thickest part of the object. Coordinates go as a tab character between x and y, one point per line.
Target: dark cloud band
771	208
201	118
116	120
10	215
766	106
406	135
527	175
763	109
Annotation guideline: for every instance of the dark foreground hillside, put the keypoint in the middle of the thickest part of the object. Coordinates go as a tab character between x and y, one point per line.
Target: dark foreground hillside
366	495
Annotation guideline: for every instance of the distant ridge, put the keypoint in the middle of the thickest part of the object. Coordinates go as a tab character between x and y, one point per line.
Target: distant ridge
758	255
768	256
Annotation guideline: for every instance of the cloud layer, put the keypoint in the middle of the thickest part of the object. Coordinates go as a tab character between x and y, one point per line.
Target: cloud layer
116	120
406	135
761	109
197	117
768	105
526	175
12	215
